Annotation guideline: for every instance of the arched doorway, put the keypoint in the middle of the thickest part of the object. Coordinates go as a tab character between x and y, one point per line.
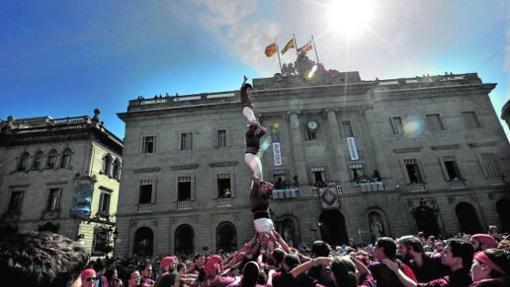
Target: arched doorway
226	237
376	225
288	229
426	220
144	242
468	219
184	240
332	225
503	209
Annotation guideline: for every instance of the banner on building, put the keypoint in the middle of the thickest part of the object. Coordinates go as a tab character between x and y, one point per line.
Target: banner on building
353	151
82	199
277	155
329	197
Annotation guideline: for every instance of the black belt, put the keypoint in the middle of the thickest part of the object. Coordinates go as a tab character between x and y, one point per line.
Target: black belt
261	214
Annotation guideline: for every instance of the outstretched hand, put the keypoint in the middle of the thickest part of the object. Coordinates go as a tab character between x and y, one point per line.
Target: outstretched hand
245	79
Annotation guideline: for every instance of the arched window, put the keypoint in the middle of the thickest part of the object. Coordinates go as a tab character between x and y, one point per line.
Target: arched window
38	158
184	240
107	164
116	169
65	162
52	159
226	237
23	161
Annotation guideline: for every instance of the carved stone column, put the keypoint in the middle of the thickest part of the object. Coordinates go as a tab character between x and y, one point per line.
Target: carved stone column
298	155
338	160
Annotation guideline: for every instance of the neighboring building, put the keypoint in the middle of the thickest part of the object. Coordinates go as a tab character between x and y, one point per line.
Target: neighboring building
350	159
60	175
505	113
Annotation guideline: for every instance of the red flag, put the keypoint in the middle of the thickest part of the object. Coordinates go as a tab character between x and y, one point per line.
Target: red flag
271	49
305	48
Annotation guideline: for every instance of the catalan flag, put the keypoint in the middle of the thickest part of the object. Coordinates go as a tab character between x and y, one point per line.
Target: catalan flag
290	44
305	48
271	49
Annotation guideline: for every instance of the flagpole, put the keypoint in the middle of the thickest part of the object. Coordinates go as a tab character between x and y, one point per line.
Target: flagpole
278	51
315	49
295	44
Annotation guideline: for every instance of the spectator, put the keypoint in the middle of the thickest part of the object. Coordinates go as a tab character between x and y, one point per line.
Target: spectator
41	259
491	267
483	241
169	278
426	266
458	256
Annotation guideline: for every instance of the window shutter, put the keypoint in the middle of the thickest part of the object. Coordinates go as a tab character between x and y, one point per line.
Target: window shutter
404	172
443	168
422	171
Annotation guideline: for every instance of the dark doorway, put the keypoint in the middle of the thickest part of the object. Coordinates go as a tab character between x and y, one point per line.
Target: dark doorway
468	219
332	225
50	227
288	229
426	220
144	242
184	240
503	209
226	237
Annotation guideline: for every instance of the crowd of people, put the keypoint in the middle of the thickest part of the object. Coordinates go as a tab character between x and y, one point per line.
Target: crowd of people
47	259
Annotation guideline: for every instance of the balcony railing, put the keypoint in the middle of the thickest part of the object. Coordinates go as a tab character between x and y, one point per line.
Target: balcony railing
369	186
224	202
183	205
416	186
457	184
286	193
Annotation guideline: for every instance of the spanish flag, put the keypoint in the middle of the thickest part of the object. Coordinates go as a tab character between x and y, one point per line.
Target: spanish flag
305	48
290	44
271	49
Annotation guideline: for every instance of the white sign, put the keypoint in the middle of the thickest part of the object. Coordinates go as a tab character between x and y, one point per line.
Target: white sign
277	155
352	148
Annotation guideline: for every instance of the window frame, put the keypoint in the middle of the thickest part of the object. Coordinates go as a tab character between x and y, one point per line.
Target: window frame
58	195
145	144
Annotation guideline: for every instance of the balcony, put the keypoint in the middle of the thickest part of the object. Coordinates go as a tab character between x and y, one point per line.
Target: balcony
184	205
457	184
286	193
416	187
224	202
369	186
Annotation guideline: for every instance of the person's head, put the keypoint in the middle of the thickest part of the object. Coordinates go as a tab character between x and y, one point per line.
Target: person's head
483	241
147	269
212	266
246	90
168	263
278	256
199	260
439	245
88	277
409	246
111	274
363	257
493	231
181	268
385	247
250	274
320	249
99	266
458	254
344	271
41	259
290	261
134	278
491	263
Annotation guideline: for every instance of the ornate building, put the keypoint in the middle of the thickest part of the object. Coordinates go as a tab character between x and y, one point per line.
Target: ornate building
349	159
60	175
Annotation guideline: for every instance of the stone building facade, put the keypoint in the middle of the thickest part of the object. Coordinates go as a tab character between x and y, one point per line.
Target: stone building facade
349	159
47	164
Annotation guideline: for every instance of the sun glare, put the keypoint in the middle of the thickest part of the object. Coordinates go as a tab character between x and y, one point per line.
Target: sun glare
350	18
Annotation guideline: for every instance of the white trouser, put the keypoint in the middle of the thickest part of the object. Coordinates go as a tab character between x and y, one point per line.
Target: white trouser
253	162
249	115
263	225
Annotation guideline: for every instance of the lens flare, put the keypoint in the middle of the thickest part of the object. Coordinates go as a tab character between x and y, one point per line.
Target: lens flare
312	72
414	128
350	18
264	145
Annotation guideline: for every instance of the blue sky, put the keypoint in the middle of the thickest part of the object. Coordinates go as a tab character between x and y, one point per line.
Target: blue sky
64	58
